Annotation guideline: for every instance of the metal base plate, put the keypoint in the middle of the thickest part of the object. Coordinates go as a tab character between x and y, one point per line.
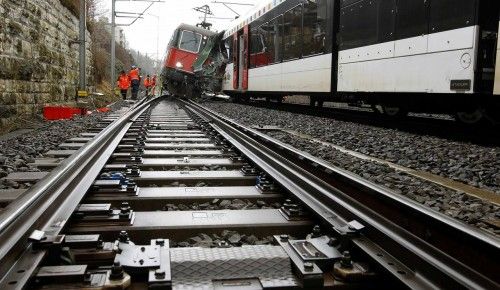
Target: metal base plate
228	268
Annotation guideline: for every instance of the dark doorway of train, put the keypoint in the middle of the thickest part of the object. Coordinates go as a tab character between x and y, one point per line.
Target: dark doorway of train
241	59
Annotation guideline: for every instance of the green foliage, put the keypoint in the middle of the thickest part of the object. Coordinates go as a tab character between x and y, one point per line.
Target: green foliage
101	48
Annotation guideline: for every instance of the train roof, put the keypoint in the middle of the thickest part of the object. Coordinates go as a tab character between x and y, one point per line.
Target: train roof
196	29
254	14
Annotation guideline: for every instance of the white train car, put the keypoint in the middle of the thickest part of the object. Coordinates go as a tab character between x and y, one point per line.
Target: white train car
404	55
271	52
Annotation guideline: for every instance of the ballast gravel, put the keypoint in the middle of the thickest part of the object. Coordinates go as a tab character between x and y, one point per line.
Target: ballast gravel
223	204
17	152
475	165
225	239
472	164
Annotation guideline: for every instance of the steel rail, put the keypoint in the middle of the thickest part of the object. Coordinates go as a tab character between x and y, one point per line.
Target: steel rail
440	253
54	197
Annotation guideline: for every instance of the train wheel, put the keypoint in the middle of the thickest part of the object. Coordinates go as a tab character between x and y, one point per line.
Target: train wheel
394	112
471	117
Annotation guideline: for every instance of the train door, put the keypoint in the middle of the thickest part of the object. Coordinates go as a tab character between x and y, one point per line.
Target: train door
240	59
246	57
235	61
487	46
241	63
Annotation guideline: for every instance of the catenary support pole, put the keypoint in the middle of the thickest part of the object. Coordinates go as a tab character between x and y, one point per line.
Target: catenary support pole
82	85
113	43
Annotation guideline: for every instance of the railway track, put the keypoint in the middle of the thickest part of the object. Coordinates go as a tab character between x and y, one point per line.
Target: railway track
110	217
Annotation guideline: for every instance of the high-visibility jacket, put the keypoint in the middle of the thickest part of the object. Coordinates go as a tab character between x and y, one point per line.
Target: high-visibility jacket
134	74
147	82
123	82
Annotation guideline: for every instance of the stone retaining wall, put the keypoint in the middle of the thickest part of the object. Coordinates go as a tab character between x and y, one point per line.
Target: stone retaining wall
38	57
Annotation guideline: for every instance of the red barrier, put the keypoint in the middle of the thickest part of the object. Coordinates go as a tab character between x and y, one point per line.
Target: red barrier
59	113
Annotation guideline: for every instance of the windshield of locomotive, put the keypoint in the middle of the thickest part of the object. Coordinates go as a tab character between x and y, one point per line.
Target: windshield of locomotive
190	41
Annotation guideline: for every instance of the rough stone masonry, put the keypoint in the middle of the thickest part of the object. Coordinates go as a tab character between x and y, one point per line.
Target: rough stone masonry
38	57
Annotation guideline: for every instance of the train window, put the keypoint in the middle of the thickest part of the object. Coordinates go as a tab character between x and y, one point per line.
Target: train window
358	25
367	22
411	18
451	14
292	33
257	46
229	48
190	41
315	18
253	36
274	37
386	20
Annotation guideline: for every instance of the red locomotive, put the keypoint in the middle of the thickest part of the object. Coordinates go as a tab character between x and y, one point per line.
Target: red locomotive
185	46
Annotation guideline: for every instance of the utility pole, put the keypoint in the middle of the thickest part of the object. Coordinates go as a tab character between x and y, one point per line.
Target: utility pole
113	28
82	85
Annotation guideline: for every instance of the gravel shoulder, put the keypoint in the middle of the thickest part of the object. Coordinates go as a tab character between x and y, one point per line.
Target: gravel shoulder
474	165
22	147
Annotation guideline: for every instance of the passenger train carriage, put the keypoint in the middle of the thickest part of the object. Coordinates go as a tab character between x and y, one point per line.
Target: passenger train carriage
404	55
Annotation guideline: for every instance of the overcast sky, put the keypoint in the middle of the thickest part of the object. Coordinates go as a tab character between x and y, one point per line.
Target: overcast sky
143	34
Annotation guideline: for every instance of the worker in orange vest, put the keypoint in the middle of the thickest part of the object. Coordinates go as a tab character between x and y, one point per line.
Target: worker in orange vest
153	85
147	84
123	83
135	81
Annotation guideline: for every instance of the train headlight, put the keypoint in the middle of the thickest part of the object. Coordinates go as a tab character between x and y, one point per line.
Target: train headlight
179	65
